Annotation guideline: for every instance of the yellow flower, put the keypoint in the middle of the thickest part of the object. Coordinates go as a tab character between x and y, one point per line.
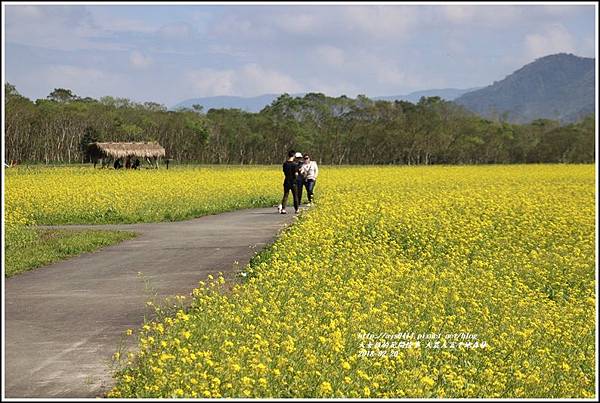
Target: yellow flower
427	381
325	388
472	249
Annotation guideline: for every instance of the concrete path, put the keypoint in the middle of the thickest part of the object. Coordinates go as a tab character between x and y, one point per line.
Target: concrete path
64	322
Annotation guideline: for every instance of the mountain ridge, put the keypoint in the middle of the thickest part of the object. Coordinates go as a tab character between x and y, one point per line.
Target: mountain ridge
255	104
559	87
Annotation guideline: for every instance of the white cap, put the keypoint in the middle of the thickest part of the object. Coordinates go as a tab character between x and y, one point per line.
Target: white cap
298	155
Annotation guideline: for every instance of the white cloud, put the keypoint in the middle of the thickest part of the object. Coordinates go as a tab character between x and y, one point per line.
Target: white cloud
458	13
298	23
96	83
55	27
249	80
177	30
210	82
240	28
385	75
229	50
396	77
138	60
588	47
456	47
83	81
342	22
489	16
555	38
26	11
330	55
112	24
381	21
259	80
64	75
561	10
377	50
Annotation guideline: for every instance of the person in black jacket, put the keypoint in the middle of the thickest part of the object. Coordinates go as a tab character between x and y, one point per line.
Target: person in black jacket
290	172
299	178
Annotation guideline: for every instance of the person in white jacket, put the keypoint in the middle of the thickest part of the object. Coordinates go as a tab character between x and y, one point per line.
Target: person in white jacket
309	171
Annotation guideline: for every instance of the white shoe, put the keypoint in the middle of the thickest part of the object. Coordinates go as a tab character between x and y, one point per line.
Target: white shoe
283	212
279	208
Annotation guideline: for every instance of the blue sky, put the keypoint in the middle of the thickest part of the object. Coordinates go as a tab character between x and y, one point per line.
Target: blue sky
169	53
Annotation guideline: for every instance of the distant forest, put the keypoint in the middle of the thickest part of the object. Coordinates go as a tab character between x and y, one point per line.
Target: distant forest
333	130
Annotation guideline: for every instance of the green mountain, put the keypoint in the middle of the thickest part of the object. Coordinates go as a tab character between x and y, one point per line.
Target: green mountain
248	104
559	87
256	104
448	94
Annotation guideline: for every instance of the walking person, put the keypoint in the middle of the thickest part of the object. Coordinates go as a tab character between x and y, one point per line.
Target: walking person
299	179
290	172
309	171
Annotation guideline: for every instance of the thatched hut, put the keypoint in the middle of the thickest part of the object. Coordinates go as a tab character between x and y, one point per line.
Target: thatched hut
151	152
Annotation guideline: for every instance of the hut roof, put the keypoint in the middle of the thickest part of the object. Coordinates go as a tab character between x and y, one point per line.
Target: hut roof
122	150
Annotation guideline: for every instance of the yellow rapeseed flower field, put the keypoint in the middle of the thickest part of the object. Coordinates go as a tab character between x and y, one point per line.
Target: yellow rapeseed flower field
496	262
401	282
81	195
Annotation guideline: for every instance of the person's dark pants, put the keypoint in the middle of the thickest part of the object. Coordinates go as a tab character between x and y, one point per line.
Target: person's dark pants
286	191
310	186
299	186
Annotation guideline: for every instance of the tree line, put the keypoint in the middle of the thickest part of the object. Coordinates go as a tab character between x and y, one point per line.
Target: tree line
338	130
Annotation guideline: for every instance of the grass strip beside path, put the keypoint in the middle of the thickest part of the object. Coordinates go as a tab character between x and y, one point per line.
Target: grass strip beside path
54	245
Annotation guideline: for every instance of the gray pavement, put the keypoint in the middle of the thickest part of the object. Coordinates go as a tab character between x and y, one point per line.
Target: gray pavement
63	322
